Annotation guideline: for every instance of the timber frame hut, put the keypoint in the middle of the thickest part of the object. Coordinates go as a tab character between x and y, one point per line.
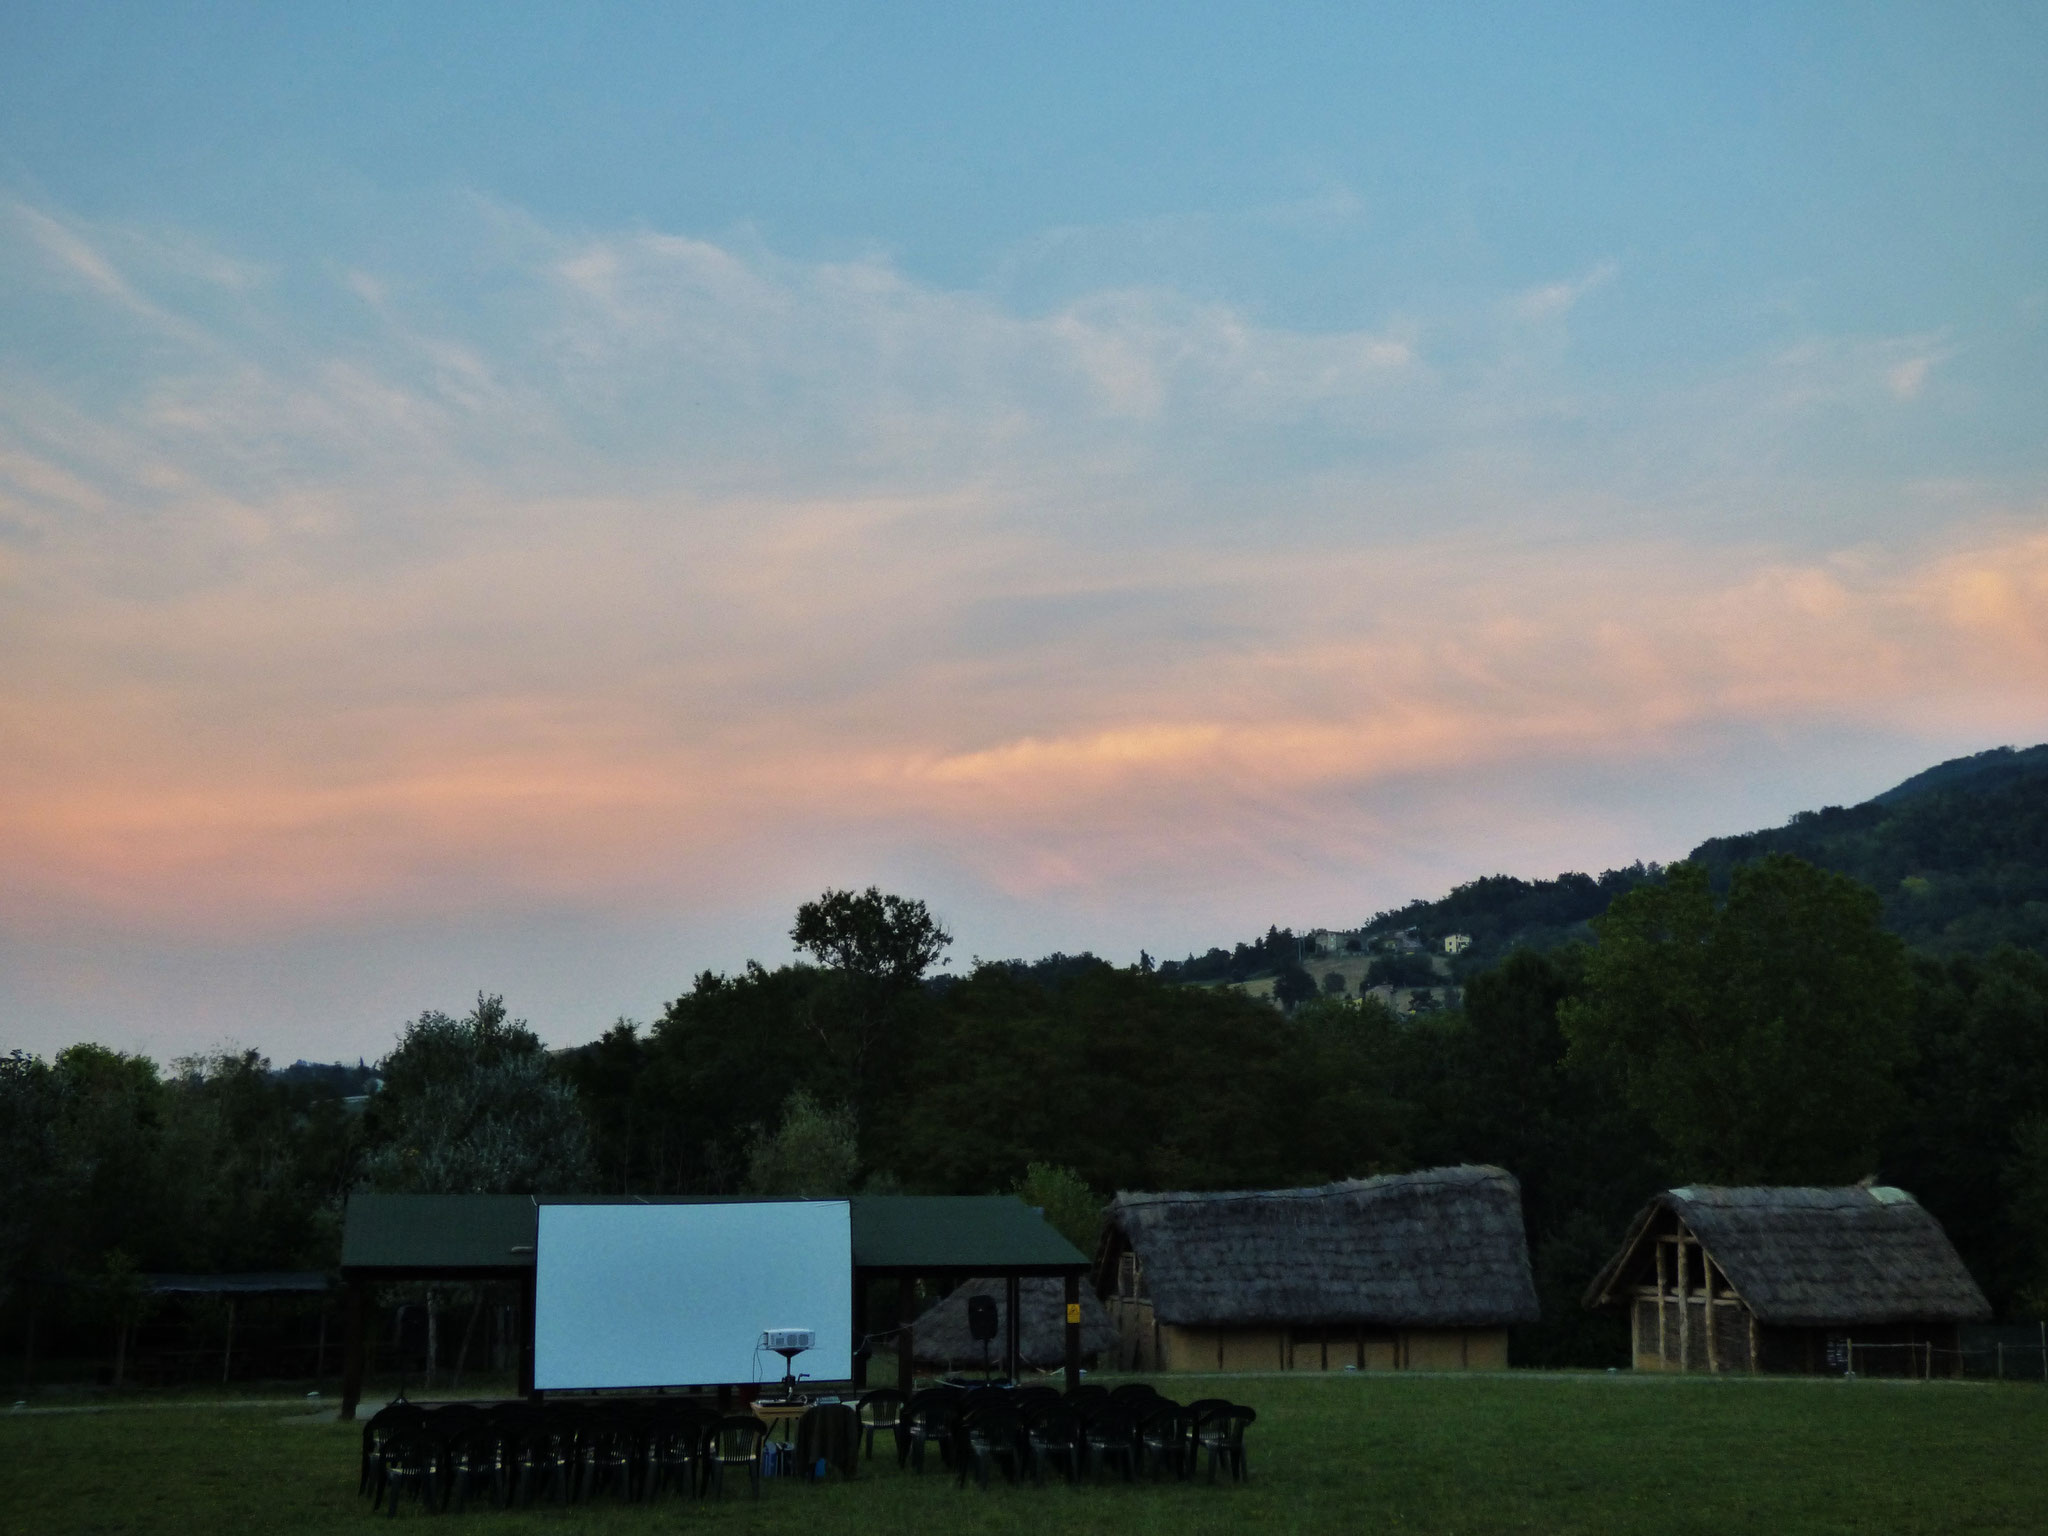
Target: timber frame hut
1413	1271
1790	1280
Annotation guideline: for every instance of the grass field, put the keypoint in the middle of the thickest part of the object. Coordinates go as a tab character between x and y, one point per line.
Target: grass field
1514	1452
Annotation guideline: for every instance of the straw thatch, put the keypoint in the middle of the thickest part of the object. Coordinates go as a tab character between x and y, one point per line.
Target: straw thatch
1816	1257
941	1337
1443	1248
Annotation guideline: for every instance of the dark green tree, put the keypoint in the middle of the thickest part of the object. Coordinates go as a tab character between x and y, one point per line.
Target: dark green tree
474	1106
876	949
1760	1037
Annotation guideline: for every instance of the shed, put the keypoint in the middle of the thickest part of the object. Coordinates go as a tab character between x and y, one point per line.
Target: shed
1790	1279
944	1339
481	1238
1422	1271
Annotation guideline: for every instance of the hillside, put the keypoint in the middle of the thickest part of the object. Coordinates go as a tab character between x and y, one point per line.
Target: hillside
1959	853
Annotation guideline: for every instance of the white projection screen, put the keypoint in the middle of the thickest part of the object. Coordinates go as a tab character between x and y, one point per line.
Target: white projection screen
679	1295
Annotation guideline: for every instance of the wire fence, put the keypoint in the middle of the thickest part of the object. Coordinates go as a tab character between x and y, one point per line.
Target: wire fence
1992	1354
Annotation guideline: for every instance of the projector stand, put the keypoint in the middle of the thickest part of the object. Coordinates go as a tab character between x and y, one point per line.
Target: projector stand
789	1370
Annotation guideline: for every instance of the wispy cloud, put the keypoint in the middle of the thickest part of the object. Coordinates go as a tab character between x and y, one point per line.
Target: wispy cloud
664	568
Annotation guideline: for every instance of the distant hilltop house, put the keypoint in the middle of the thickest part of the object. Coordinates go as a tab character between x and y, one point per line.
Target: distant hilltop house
1422	1271
1457	943
1791	1280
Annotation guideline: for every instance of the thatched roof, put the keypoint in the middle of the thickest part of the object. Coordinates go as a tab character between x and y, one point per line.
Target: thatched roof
1440	1248
1812	1257
940	1336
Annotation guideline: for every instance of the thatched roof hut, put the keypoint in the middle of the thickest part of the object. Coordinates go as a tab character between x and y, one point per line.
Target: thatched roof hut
941	1335
1352	1264
1776	1267
1442	1248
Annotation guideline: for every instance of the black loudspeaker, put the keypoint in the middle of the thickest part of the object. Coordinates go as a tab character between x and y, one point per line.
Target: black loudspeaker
981	1318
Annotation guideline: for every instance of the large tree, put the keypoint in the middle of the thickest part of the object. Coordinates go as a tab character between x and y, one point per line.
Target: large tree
877	949
1760	1036
475	1106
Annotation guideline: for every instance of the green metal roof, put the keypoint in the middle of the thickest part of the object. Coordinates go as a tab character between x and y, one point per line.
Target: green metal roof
439	1233
982	1234
919	1234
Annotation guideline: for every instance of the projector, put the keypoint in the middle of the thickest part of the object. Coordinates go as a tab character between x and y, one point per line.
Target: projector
788	1341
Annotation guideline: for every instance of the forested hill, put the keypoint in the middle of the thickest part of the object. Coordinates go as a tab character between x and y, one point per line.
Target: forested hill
1959	853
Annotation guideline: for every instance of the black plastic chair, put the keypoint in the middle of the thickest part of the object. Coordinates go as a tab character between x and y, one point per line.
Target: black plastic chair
607	1454
1133	1394
879	1409
381	1426
927	1418
477	1456
829	1433
1052	1437
734	1441
1109	1438
1166	1440
544	1456
1221	1434
1087	1392
675	1450
990	1436
413	1461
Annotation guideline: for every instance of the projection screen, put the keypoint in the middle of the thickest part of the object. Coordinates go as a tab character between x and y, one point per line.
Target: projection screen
679	1295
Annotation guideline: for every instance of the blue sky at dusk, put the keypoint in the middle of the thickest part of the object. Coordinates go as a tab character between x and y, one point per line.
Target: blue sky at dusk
519	497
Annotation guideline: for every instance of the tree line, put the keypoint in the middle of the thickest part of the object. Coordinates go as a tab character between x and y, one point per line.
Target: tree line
1762	1027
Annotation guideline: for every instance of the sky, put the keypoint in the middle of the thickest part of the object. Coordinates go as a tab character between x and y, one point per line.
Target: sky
517	498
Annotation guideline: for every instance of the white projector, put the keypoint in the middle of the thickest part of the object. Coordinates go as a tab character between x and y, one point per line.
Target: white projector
789	1340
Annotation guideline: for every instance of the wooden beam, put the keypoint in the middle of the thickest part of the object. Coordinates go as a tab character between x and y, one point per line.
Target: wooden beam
860	1331
1072	1290
1663	1344
354	1320
1013	1328
1684	1309
906	1310
1707	1313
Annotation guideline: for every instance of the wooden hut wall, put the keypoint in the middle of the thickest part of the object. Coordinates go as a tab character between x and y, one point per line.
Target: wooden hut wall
1145	1344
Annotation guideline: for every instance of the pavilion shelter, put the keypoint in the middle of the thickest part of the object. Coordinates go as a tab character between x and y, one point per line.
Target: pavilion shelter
944	1336
1421	1271
459	1239
904	1238
231	1291
1800	1280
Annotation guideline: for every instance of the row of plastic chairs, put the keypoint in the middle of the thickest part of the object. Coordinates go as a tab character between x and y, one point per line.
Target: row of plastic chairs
1090	1431
514	1453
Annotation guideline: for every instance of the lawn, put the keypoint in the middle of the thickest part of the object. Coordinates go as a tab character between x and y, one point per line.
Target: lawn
1410	1453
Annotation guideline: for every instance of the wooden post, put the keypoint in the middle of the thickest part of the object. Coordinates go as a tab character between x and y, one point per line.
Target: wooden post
906	1310
1663	1345
860	1331
1707	1279
523	1342
1755	1345
320	1351
1684	1307
227	1353
1073	1315
354	1323
1013	1327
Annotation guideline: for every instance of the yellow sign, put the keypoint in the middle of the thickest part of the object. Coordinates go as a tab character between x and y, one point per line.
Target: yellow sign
1073	1312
